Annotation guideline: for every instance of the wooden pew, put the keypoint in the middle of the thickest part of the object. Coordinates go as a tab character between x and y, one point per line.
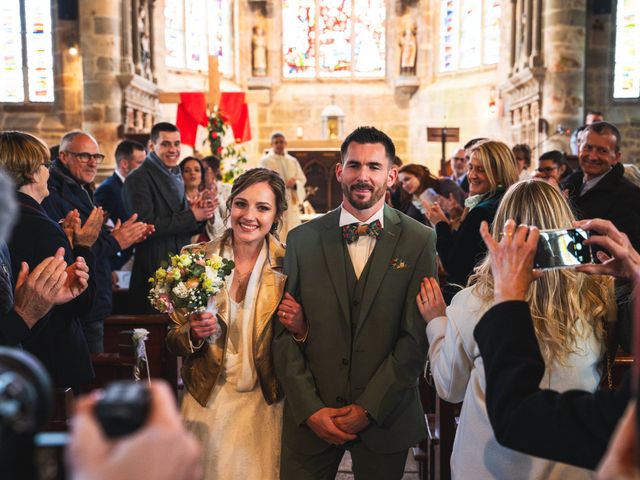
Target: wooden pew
119	358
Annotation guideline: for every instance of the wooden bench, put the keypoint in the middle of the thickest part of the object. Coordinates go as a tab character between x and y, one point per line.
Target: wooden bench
119	358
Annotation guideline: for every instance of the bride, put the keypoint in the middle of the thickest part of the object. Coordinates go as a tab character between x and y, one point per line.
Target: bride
232	398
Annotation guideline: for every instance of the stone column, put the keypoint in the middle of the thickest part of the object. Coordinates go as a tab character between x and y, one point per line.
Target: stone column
100	47
564	53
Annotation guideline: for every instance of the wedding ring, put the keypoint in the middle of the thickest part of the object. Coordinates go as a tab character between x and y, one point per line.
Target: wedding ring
284	314
423	302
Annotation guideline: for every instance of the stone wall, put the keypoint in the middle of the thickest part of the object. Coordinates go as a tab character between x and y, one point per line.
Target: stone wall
599	85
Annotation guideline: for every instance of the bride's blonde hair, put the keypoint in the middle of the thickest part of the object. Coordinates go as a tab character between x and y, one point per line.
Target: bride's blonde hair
565	305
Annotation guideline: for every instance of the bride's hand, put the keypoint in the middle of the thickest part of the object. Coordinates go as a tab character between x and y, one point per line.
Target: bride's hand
290	315
202	325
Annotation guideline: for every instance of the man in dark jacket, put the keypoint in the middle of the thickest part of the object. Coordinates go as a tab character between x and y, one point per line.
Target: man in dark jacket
129	156
156	192
599	189
70	189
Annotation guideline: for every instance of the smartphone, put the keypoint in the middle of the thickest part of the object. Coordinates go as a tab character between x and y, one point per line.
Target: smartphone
563	248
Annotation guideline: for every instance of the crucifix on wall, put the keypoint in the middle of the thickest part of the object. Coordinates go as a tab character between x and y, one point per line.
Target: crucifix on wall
195	108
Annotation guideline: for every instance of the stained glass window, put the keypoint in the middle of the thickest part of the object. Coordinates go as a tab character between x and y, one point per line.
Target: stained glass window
28	21
469	33
195	29
333	38
174	33
626	80
449	35
491	31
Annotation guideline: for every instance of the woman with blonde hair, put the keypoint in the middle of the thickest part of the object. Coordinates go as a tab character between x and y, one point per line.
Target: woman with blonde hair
492	170
569	311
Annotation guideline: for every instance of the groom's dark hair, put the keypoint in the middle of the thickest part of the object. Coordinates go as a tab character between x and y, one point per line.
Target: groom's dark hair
369	135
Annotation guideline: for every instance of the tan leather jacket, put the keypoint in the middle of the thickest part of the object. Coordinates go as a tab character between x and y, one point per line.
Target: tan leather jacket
202	361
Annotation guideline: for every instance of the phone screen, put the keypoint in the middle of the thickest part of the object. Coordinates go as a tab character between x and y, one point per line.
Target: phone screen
562	249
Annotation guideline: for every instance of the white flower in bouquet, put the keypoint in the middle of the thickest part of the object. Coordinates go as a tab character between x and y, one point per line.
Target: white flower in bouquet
181	290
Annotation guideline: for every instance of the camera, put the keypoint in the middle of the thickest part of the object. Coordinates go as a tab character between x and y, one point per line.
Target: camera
26	402
564	248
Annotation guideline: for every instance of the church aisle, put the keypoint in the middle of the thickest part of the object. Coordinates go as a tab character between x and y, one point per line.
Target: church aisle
345	471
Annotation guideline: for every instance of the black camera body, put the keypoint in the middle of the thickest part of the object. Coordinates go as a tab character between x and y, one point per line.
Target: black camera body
26	402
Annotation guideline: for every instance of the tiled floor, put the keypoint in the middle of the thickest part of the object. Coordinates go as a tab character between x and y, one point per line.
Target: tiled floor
345	473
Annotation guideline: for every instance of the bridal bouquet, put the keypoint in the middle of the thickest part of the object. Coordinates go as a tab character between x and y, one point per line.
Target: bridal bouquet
190	281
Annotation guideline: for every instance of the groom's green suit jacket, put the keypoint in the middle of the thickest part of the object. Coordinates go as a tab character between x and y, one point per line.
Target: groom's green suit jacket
366	345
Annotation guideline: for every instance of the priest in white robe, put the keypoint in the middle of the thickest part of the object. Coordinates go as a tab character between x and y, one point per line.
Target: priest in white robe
289	169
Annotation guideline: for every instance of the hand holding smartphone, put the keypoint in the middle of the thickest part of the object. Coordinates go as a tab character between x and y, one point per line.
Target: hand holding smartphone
563	248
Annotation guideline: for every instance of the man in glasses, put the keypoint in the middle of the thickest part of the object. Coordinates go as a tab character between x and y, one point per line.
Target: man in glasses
71	201
553	167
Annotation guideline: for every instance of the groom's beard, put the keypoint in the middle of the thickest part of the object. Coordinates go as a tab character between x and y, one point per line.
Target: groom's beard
376	195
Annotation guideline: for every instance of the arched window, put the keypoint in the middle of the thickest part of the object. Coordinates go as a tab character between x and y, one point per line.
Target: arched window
333	38
195	29
469	33
26	51
626	79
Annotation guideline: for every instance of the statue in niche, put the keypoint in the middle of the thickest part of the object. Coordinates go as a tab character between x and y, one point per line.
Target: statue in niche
144	42
408	50
259	52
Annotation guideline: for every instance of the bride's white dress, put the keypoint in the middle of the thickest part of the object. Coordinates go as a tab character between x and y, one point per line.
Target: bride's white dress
239	433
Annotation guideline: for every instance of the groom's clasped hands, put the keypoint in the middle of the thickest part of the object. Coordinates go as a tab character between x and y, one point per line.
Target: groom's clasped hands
338	425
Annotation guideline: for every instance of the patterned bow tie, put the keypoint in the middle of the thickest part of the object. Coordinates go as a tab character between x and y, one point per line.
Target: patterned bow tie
350	233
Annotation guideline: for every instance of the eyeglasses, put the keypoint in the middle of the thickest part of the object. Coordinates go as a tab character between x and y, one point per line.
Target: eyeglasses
547	169
47	164
84	157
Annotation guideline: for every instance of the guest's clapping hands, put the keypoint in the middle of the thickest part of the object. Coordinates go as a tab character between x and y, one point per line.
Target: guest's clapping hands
512	260
35	292
87	234
203	211
131	232
434	212
202	325
353	420
161	449
76	282
322	424
291	316
430	301
69	225
624	261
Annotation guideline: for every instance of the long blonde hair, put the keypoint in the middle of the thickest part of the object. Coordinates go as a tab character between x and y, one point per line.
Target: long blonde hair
565	305
498	162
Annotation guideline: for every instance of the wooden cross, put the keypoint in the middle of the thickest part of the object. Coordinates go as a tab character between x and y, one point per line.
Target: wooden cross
213	94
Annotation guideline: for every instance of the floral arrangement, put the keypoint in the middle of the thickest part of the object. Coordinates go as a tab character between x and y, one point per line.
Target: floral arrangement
188	282
232	158
216	129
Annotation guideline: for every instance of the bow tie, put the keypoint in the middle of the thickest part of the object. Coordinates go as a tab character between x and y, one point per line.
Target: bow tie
350	233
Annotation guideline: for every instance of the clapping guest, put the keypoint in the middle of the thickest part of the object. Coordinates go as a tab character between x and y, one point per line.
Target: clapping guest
71	193
57	339
192	171
492	169
200	186
569	311
155	191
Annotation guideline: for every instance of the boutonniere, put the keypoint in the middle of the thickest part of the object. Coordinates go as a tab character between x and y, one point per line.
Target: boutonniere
397	263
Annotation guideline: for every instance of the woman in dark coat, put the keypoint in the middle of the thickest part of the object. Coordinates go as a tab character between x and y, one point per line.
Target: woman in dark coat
420	188
57	339
492	170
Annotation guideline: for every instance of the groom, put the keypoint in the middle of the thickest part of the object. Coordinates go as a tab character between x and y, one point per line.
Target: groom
351	383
